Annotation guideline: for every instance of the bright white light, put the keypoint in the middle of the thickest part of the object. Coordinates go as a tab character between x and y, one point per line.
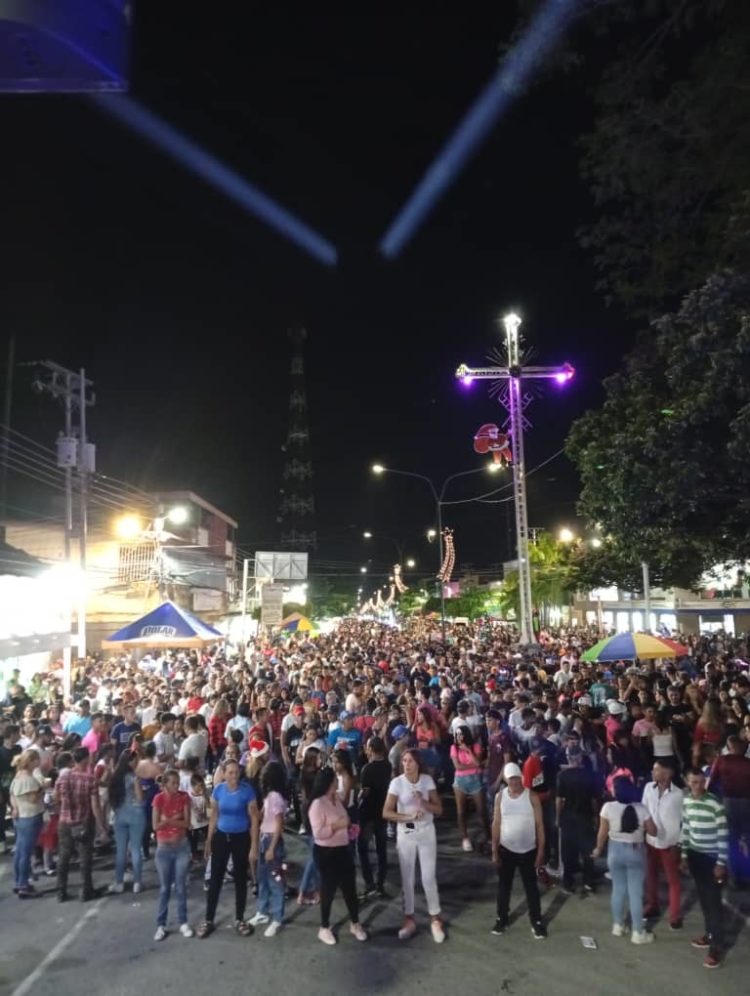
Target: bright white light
511	323
367	535
566	535
128	527
363	570
411	563
596	542
178	515
431	534
494	467
378	468
297	593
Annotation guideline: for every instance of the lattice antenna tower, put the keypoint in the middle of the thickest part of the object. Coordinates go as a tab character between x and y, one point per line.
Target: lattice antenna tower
297	504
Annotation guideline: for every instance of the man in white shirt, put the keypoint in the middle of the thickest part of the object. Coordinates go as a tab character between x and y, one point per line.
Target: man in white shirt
663	800
564	676
195	743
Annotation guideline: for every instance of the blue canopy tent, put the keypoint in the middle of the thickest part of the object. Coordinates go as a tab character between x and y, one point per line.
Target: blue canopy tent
166	626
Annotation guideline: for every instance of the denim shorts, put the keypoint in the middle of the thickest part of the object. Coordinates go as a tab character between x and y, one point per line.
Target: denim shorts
469	784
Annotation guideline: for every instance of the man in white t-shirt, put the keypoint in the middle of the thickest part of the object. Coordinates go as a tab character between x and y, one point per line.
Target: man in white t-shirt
195	743
564	676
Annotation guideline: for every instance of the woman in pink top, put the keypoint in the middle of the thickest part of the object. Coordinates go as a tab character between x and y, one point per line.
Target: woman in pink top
467	760
329	823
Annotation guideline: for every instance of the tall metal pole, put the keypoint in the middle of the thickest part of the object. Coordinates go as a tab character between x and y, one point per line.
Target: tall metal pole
515	410
245	572
83	480
646	597
439	506
68	406
513	374
7	414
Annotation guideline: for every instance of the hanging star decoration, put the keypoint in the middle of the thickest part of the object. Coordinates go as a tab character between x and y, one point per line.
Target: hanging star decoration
398	580
449	557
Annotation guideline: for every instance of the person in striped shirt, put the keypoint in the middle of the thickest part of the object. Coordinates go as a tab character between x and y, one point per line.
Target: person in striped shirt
704	843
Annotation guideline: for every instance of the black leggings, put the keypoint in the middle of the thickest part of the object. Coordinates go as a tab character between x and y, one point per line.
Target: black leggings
222	845
336	867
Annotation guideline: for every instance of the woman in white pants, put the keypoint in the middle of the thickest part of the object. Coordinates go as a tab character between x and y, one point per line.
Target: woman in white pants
413	803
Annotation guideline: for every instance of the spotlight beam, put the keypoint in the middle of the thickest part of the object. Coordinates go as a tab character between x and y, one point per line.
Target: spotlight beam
192	157
507	83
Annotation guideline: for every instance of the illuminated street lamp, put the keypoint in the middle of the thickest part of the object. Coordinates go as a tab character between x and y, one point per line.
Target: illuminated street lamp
431	534
363	570
378	468
411	563
128	527
566	535
367	535
596	542
178	515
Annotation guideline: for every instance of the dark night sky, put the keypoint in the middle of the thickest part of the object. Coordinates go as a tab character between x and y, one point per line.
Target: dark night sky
177	302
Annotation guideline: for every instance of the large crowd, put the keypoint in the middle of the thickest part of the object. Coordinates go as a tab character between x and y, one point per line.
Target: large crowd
372	733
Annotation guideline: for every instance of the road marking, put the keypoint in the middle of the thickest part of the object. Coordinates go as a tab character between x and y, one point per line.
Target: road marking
31	980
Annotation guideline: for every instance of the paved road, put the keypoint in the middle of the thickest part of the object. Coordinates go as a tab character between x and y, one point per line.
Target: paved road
48	949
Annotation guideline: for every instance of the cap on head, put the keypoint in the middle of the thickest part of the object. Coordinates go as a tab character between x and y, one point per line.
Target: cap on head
511	770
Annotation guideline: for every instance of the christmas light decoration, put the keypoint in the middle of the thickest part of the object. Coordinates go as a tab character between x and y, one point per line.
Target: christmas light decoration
398	580
449	557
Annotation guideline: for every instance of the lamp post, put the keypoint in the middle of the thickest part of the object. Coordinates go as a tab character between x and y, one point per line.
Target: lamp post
513	373
438	496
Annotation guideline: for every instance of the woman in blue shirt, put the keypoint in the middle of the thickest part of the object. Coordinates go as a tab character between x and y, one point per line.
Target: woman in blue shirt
232	830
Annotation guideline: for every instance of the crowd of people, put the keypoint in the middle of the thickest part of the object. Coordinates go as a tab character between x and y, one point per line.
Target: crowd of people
367	733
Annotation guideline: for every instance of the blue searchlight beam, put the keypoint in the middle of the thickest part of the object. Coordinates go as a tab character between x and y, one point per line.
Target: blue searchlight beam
507	83
190	155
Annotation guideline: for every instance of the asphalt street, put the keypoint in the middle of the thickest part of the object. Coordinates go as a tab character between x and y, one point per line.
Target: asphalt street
49	949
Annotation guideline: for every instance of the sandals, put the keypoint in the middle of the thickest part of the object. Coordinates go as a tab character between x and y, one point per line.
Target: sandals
243	928
205	928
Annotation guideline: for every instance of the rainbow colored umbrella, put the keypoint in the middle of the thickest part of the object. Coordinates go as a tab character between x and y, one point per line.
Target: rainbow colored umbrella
632	646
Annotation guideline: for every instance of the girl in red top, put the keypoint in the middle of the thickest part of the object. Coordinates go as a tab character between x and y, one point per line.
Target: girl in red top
171	820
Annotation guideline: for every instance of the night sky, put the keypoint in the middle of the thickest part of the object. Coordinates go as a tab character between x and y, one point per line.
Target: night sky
177	302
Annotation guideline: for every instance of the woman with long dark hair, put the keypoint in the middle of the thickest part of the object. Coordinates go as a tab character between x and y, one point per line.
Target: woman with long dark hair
271	853
467	760
309	885
126	800
412	804
329	823
623	823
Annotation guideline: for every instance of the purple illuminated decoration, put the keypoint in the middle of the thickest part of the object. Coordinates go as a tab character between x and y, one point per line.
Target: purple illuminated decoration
563	376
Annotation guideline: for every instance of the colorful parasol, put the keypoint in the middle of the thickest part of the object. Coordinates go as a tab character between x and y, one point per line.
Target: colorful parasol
296	623
632	646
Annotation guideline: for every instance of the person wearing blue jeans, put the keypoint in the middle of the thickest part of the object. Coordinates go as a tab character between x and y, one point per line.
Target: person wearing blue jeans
171	821
173	866
623	823
310	883
126	799
271	853
271	880
27	830
26	807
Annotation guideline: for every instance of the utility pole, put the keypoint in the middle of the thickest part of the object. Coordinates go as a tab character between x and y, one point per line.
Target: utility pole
72	388
515	401
245	575
646	597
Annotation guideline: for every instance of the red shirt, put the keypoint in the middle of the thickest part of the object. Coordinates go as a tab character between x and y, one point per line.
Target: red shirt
732	772
194	703
171	805
216	739
73	791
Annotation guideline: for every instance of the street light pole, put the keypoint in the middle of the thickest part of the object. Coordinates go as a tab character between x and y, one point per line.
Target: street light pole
438	498
513	374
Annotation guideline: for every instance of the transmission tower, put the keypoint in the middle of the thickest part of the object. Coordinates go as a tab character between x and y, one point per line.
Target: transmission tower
297	505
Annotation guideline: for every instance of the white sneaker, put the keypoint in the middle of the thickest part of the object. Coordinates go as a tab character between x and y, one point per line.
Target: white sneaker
438	934
272	929
326	935
641	937
116	888
618	930
160	934
258	919
137	887
466	844
186	930
358	931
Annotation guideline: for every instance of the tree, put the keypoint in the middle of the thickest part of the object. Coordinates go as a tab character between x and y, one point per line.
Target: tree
666	159
665	463
553	578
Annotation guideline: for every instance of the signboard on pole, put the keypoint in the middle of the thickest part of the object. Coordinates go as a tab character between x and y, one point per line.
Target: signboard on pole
281	566
271	604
